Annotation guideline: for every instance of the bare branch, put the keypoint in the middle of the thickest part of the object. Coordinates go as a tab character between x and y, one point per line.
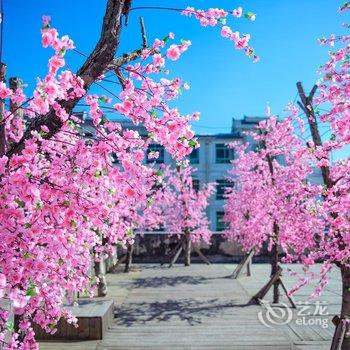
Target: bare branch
128	57
312	93
143	33
120	77
302	93
306	105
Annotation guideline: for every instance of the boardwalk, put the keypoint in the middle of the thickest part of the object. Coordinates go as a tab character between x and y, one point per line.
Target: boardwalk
201	308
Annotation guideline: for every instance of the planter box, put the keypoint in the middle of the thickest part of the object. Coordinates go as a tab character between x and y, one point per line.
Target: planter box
94	318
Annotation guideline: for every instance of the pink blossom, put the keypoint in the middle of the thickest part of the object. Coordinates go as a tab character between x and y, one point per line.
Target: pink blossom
237	12
173	53
158	60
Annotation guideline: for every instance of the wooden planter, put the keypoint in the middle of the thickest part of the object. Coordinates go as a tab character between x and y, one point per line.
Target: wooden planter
94	318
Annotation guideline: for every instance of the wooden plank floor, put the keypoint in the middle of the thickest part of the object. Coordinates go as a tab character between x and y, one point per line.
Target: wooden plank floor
201	308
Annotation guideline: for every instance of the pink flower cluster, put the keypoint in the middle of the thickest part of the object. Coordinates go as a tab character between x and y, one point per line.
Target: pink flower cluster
215	16
182	206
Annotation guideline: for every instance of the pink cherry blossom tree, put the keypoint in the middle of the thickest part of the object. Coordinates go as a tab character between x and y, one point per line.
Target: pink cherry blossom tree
63	203
318	220
271	201
183	208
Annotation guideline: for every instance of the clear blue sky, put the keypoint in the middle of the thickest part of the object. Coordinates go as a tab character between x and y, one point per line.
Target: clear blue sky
224	82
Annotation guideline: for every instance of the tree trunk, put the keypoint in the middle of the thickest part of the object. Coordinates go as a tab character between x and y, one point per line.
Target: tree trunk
274	270
187	248
102	284
3	142
128	261
345	307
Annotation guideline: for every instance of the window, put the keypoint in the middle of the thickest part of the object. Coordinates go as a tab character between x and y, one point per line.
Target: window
194	156
156	148
195	184
223	154
220	223
221	186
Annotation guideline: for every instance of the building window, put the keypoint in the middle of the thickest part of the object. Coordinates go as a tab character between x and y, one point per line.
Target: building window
220	223
221	186
224	154
194	156
195	184
156	148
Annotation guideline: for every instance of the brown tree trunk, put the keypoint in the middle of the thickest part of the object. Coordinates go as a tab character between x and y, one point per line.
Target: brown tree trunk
102	284
274	264
3	142
345	307
128	261
187	248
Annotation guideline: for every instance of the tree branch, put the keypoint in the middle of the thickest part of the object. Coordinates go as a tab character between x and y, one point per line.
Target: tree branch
143	33
94	66
306	105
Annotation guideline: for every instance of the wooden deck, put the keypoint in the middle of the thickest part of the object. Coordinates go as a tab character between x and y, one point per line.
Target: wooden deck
200	308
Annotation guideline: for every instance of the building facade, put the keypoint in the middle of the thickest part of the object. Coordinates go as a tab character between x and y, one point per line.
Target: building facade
213	161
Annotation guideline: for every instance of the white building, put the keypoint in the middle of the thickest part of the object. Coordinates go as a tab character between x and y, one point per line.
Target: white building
212	160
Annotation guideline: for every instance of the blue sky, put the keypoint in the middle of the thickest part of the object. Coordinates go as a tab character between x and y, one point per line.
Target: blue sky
224	82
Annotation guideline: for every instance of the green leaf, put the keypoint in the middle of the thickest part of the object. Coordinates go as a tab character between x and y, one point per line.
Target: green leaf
111	191
38	204
71	124
10	326
43	133
98	174
61	261
31	291
19	202
149	202
192	143
130	233
250	15
73	223
27	255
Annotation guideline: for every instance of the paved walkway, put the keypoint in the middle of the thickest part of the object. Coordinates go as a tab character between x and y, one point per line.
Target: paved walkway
201	308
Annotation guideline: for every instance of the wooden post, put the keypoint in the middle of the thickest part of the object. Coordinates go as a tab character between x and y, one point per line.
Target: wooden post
201	255
244	263
276	278
176	256
264	290
172	252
